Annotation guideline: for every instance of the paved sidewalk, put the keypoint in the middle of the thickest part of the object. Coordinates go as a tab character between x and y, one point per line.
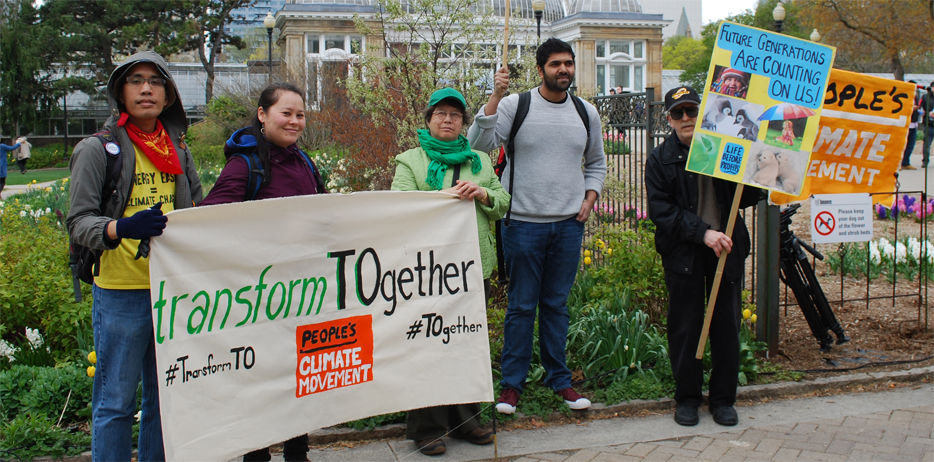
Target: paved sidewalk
896	424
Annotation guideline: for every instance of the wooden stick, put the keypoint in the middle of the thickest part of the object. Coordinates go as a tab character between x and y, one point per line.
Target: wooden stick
719	275
506	37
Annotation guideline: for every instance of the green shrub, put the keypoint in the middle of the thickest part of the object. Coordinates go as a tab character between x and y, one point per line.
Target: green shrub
624	259
654	383
609	336
45	390
48	156
206	141
36	288
370	423
231	112
31	435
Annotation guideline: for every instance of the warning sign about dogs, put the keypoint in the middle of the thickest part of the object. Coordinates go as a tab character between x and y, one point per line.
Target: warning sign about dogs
841	218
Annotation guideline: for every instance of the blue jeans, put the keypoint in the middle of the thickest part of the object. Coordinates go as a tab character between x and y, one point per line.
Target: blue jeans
542	261
926	145
123	340
909	146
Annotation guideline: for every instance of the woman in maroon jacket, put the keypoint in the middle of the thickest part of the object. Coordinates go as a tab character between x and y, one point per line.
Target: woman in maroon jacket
287	171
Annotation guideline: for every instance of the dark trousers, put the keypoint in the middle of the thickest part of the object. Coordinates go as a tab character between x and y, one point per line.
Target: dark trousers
909	146
687	297
22	165
293	449
434	422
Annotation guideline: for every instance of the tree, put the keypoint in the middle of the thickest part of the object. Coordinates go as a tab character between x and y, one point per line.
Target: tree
695	69
430	44
679	51
91	34
23	88
206	32
890	33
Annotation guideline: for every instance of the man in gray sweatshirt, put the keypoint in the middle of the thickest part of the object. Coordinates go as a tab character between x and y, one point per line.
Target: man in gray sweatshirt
552	198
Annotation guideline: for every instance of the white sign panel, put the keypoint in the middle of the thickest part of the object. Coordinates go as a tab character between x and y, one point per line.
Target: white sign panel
841	218
278	317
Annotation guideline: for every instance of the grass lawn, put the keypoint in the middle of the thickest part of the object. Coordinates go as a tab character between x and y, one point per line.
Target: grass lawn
41	176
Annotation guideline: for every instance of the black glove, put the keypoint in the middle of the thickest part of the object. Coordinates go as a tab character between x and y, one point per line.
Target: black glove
145	223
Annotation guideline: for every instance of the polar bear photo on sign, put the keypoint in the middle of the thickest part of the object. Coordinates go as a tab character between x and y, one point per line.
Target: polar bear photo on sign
776	169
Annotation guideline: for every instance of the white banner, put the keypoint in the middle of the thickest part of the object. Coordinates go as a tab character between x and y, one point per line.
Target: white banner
278	317
841	218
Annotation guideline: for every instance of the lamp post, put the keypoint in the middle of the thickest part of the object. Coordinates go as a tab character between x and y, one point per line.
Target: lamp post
767	263
779	15
538	6
815	36
269	22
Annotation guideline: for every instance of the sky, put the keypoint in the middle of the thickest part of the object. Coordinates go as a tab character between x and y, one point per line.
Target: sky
714	10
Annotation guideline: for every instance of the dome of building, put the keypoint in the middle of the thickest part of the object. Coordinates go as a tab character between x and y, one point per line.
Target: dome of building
604	6
554	9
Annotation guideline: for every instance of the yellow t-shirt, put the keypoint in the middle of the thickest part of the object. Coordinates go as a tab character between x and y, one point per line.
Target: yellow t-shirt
118	268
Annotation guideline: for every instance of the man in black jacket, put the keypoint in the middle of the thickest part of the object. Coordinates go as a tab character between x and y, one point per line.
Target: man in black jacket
690	211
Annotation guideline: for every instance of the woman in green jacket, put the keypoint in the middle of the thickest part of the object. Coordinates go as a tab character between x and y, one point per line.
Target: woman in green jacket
444	162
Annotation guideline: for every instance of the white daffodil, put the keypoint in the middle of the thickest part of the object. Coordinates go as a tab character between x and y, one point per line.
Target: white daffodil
34	337
7	350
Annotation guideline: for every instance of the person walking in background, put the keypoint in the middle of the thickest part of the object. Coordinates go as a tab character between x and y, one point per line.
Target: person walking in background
4	149
690	213
554	176
22	153
146	133
927	105
269	146
444	162
912	128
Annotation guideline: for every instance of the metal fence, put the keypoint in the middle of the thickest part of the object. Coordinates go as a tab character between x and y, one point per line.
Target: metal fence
635	123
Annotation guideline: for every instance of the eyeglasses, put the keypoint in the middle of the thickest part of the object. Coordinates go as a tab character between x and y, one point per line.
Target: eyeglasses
154	81
455	116
678	113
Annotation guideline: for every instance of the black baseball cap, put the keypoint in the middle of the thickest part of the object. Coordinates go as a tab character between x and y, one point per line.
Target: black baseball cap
679	96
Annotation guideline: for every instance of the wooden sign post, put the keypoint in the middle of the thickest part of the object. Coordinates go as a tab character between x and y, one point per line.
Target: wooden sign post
719	275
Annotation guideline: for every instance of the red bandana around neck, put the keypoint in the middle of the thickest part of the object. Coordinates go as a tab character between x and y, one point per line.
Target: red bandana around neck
157	146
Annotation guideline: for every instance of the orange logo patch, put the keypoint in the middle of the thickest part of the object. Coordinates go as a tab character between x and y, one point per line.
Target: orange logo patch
680	93
333	355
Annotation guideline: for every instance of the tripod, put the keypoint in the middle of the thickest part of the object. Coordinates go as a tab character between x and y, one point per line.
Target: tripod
797	273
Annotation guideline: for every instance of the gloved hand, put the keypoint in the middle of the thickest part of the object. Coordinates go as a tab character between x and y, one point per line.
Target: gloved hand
145	223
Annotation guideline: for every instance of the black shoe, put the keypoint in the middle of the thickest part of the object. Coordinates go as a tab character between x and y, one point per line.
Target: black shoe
431	447
686	415
725	415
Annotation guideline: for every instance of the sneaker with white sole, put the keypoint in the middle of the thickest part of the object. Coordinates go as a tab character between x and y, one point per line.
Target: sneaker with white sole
573	399
508	400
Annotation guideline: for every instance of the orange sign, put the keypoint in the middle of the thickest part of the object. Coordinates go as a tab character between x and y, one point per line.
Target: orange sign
333	354
860	139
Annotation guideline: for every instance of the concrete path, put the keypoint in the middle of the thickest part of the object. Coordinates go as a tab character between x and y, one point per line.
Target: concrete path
890	425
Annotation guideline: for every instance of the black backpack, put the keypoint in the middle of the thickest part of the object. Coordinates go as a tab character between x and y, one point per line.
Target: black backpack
522	110
83	261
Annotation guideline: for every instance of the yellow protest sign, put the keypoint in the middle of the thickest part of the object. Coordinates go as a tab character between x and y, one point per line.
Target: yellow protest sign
759	116
860	139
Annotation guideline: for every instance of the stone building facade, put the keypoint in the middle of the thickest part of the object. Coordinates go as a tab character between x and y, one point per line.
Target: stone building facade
616	44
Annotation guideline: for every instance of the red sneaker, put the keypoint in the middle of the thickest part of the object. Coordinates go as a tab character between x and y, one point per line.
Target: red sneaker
573	399
508	400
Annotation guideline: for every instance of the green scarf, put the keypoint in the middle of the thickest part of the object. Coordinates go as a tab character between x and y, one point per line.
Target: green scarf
444	153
